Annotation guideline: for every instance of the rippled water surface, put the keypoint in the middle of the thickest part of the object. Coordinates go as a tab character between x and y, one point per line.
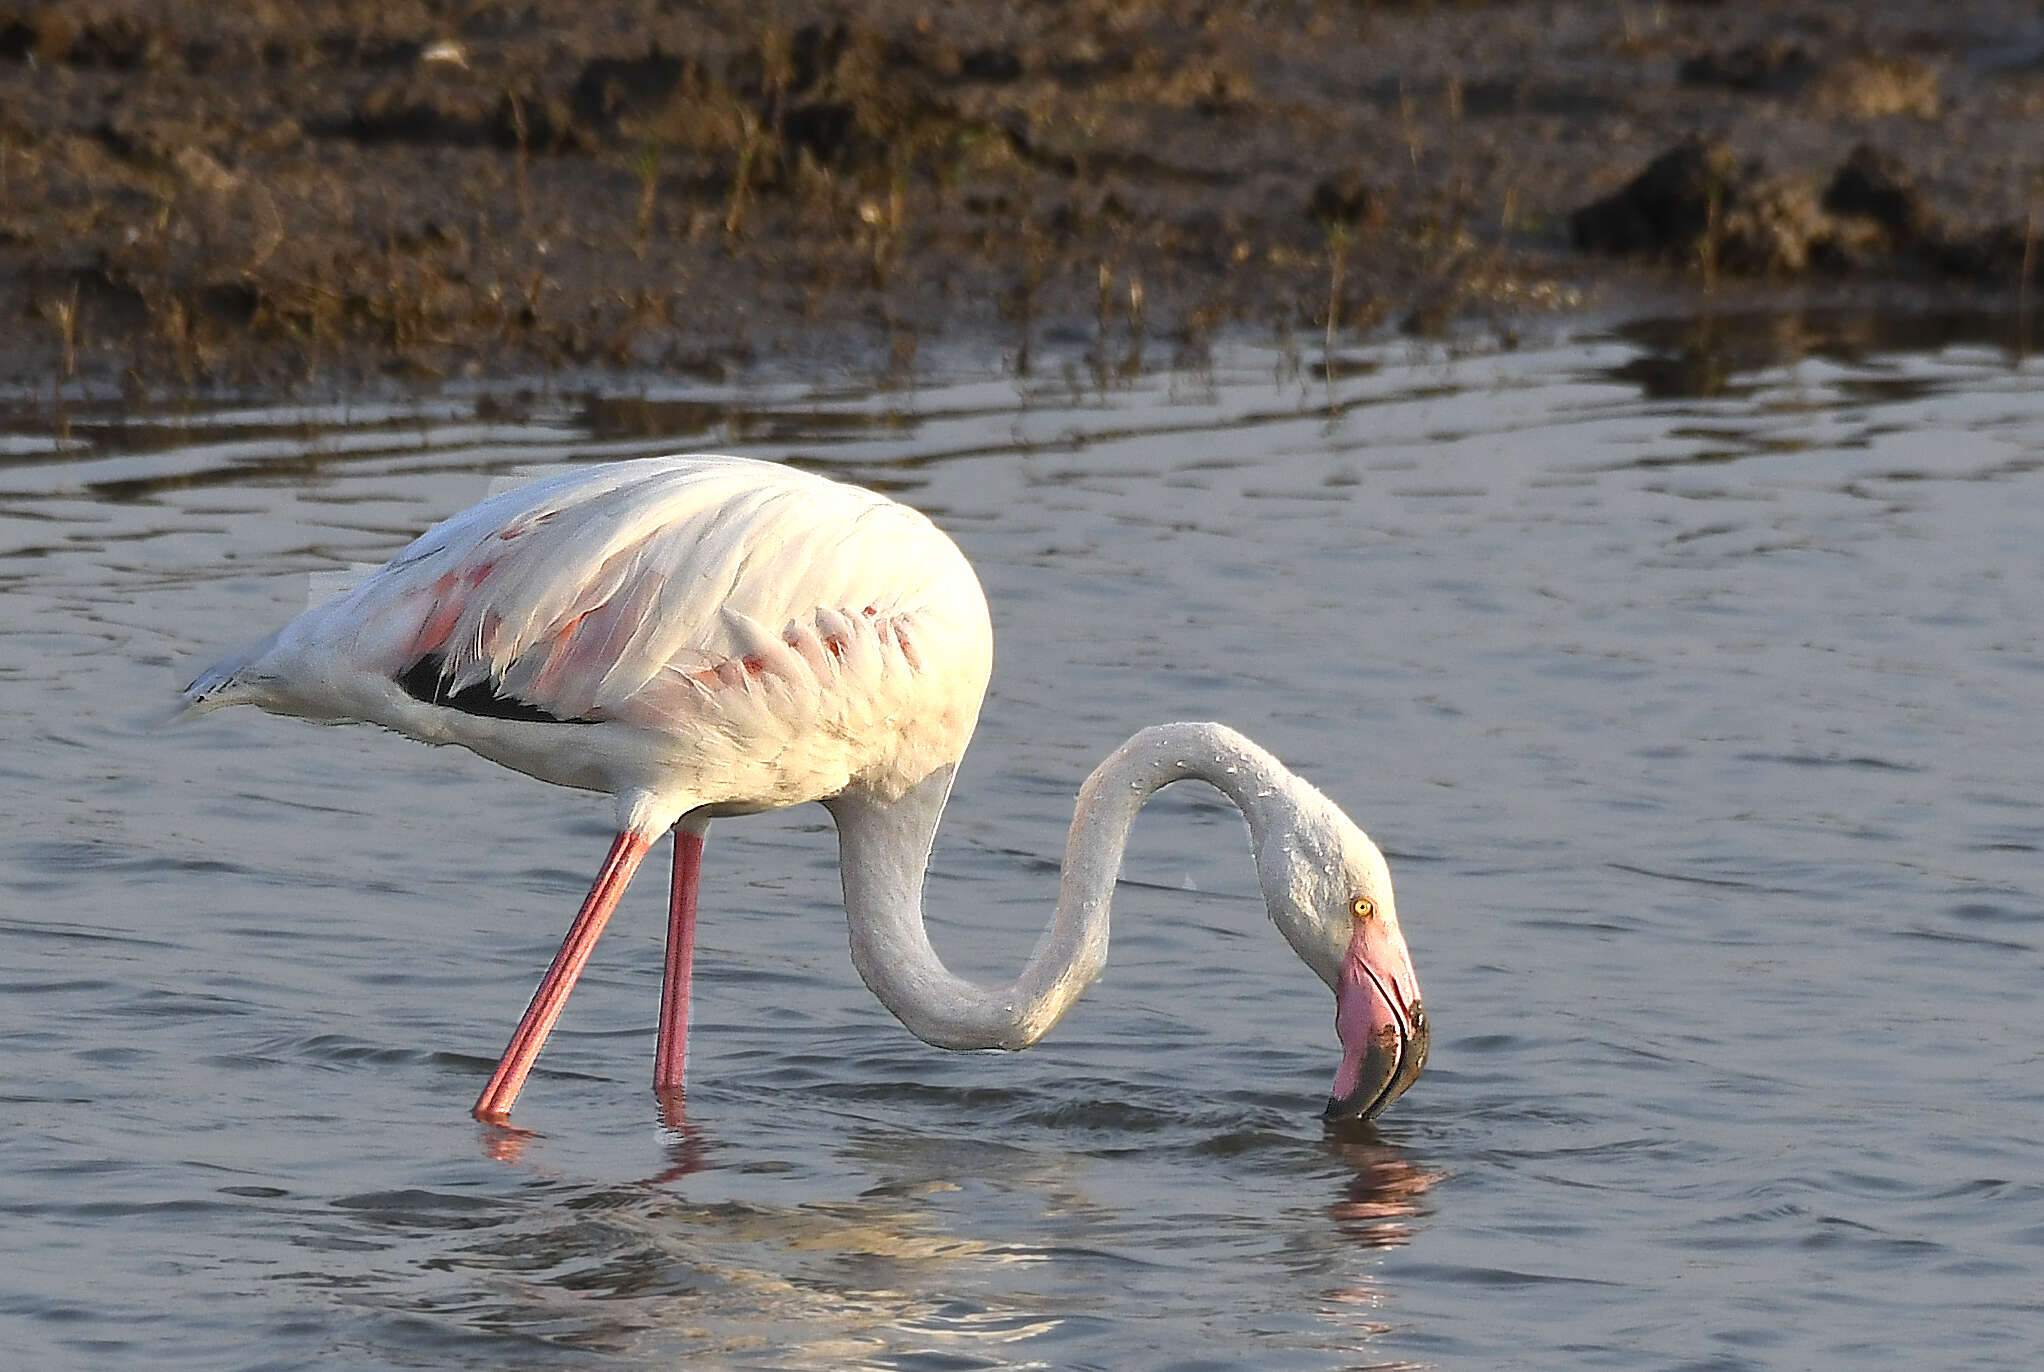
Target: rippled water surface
1696	703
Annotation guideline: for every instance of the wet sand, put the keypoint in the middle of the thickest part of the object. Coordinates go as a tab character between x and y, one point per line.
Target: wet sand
203	196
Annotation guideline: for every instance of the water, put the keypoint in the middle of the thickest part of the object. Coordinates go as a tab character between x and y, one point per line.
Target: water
1693	693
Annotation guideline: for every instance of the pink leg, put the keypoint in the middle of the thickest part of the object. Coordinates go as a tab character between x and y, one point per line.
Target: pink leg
672	1053
494	1105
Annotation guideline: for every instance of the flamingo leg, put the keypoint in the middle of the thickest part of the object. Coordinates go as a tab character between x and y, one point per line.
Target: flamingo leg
494	1105
672	1053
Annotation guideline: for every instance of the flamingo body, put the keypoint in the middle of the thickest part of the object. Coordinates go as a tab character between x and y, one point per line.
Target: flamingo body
722	635
704	636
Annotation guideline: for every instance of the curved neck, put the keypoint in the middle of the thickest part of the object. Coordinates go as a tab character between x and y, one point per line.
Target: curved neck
884	850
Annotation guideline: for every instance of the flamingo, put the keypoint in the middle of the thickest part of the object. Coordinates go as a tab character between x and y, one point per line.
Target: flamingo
706	636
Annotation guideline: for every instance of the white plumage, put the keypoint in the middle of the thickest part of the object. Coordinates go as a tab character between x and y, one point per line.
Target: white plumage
702	636
748	635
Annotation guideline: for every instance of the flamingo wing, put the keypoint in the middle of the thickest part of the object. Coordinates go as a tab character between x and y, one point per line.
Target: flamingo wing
623	592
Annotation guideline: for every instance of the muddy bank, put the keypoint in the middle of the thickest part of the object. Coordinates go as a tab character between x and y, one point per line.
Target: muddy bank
215	195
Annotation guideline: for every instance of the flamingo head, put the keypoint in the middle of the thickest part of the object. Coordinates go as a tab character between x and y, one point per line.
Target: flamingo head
1329	891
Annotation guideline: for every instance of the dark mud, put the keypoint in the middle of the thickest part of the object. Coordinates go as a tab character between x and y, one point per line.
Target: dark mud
228	195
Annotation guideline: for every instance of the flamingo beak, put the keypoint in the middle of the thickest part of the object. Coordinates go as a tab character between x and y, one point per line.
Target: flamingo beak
1383	1029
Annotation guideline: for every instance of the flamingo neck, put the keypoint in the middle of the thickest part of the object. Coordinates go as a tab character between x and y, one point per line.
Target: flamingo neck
884	848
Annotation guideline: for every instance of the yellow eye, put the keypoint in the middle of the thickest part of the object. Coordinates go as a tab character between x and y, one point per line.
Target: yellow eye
1362	907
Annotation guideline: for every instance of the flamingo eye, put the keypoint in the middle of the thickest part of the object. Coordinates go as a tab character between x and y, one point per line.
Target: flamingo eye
1362	907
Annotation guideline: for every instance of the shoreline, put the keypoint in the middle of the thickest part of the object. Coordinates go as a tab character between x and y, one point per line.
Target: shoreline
200	201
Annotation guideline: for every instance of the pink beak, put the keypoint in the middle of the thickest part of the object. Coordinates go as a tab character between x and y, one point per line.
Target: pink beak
1378	1018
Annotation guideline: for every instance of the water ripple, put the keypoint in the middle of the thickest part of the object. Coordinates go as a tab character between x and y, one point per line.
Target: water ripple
1681	672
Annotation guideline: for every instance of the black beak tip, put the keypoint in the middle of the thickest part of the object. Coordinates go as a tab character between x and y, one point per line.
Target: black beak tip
1387	1072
